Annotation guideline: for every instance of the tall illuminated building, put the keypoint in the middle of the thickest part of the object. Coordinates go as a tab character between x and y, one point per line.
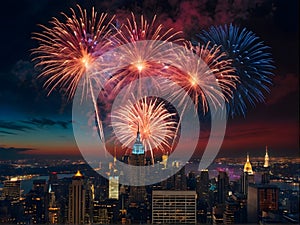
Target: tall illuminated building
265	179
80	196
53	209
113	187
113	180
248	166
248	170
137	158
266	163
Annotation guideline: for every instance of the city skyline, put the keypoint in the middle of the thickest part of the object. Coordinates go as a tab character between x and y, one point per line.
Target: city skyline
33	124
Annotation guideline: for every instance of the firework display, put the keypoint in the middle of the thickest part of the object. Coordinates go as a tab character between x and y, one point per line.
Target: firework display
251	60
206	78
151	118
228	64
133	35
67	50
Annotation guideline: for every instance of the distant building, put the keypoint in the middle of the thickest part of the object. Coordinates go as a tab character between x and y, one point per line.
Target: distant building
11	209
106	212
11	190
235	211
174	207
262	199
36	203
231	212
266	163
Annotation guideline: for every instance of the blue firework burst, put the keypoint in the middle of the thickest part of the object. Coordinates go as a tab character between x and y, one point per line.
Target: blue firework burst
252	61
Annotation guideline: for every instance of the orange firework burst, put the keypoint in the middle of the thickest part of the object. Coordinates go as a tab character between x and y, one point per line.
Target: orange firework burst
143	56
67	49
157	125
206	79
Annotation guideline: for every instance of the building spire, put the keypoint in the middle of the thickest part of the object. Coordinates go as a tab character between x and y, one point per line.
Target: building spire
138	134
248	166
266	163
138	147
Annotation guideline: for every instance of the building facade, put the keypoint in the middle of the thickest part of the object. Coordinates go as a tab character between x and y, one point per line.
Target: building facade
174	207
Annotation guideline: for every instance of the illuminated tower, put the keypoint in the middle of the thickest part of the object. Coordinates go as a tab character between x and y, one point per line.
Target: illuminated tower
113	185
53	210
248	166
266	164
265	179
137	158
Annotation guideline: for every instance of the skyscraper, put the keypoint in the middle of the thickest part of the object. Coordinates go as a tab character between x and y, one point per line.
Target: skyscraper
222	187
248	166
203	183
53	209
113	180
244	182
266	163
265	179
79	207
137	158
248	170
113	190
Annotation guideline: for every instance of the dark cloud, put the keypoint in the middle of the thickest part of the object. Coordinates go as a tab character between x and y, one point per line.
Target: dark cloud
14	153
9	125
23	90
47	122
7	132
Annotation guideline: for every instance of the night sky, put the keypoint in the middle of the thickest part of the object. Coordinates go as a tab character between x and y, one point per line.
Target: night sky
32	123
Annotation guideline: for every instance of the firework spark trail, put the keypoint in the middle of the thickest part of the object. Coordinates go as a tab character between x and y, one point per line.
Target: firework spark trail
251	59
157	127
68	49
